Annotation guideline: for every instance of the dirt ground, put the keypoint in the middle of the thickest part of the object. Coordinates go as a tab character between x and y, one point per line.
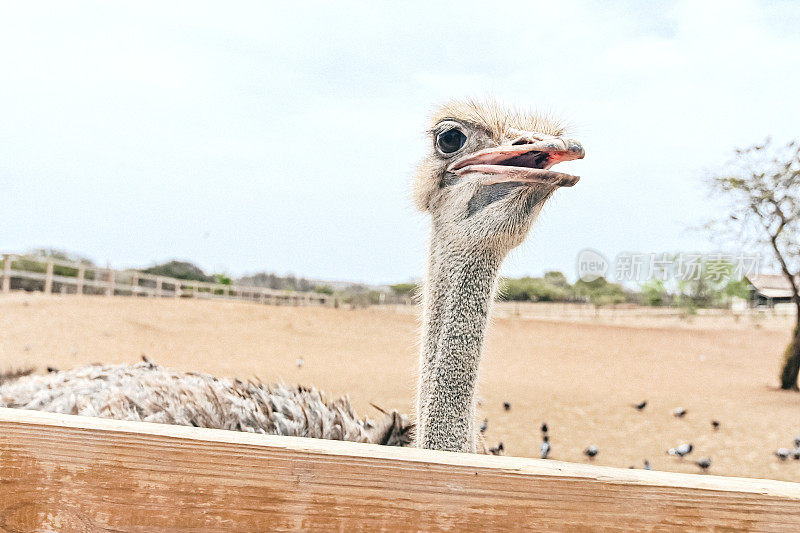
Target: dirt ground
581	377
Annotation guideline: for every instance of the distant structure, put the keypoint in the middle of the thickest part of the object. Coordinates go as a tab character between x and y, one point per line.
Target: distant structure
769	290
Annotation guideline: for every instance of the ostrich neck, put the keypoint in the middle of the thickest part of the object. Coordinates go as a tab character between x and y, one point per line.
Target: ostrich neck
459	290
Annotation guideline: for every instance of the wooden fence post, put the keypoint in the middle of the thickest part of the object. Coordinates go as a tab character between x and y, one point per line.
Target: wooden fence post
196	289
81	276
48	277
159	283
111	280
6	273
134	283
177	285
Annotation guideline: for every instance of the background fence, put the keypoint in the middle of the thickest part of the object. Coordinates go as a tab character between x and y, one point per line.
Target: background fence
50	276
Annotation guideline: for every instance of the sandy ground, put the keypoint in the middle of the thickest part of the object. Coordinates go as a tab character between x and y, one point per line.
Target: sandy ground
581	377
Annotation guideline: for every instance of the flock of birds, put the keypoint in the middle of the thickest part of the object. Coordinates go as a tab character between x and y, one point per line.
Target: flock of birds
785	453
681	451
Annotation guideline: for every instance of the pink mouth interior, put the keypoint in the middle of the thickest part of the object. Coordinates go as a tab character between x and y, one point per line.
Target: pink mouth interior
506	165
529	160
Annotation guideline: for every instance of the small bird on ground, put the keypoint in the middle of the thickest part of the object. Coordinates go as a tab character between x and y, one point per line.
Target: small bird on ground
299	362
715	424
544	427
681	451
640	406
591	451
506	406
484	425
679	412
497	450
782	453
647	465
545	448
704	463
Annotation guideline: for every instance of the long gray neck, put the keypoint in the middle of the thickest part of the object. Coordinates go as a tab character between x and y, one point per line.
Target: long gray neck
458	293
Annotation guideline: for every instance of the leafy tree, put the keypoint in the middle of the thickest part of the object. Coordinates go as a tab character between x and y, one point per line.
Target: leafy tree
554	287
738	288
222	279
39	265
324	289
404	289
708	286
600	291
762	187
654	292
180	270
556	278
534	290
62	255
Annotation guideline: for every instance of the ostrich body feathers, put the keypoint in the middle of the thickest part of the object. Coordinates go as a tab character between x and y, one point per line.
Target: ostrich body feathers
150	393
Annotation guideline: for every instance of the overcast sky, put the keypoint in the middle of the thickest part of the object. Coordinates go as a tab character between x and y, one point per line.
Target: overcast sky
281	137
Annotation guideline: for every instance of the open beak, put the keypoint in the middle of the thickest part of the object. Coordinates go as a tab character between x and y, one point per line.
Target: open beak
523	162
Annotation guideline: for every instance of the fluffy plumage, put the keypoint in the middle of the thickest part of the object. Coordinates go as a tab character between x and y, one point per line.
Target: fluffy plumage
498	120
151	393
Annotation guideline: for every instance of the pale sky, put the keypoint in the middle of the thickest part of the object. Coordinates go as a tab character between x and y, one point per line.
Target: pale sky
281	137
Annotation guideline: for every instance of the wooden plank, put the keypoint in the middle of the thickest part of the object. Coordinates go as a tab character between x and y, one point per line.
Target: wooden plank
68	473
111	282
7	258
134	283
48	279
81	279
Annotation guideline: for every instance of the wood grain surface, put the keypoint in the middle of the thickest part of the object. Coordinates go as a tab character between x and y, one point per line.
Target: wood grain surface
69	473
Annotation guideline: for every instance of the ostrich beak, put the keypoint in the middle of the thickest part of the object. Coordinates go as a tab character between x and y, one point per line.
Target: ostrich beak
523	162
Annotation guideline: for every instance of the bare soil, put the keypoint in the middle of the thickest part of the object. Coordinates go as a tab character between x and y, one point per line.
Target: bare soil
581	376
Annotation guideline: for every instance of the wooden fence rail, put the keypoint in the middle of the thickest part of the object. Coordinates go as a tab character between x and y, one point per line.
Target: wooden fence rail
76	278
70	473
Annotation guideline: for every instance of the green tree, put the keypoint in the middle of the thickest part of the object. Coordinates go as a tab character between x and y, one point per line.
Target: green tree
324	289
600	291
707	286
180	270
557	279
404	289
653	292
222	279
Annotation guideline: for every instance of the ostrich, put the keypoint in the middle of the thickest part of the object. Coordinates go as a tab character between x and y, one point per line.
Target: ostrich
483	182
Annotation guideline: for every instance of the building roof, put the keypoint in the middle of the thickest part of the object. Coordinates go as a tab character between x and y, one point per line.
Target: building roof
772	285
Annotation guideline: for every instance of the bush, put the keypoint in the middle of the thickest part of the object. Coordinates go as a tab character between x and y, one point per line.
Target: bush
324	289
404	289
180	270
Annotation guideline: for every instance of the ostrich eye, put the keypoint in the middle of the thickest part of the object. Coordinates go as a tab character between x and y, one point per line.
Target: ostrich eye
451	140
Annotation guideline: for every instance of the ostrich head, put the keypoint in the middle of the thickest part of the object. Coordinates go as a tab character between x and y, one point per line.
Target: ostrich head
487	173
484	181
